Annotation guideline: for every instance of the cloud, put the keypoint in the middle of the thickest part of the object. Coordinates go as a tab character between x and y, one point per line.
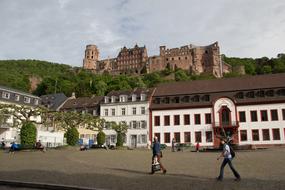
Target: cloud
59	30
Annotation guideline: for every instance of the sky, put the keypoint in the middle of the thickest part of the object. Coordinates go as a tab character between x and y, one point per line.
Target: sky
59	30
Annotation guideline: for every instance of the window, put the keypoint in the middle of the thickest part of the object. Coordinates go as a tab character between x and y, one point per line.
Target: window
134	98
176	120
187	137
274	115
122	98
134	111
242	116
265	134
197	119
143	97
198	136
276	134
142	110
113	99
134	125
209	136
143	124
106	112
166	120
123	111
113	112
158	136
27	99
6	95
264	116
166	137
156	121
36	101
255	135
283	114
186	119
243	135
253	115
143	139
208	118
17	97
106	99
177	136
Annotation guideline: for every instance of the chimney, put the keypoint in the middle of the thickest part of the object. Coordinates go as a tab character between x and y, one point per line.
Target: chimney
73	95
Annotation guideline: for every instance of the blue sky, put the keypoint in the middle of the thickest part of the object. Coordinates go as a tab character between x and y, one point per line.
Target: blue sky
59	30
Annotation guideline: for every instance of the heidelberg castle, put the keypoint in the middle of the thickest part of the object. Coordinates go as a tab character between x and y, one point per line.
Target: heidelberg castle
194	59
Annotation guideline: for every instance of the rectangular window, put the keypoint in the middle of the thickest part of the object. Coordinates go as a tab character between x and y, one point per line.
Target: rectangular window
243	135
142	110
134	124
242	116
283	114
6	95
176	120
134	111
177	136
143	124
36	101
276	134
255	135
208	118
113	112
209	136
166	120
123	111
156	120
166	137
27	99
187	137
106	112
143	139
264	116
274	115
253	115
158	136
186	119
198	136
197	119
265	134
17	97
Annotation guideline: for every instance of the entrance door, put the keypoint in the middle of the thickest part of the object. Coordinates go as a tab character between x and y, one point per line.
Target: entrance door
225	116
134	141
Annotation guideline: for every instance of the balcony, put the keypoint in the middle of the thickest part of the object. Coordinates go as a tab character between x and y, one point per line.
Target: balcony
233	124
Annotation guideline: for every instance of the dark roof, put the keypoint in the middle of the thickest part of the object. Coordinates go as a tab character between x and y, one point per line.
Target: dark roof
137	91
17	91
221	85
82	102
53	101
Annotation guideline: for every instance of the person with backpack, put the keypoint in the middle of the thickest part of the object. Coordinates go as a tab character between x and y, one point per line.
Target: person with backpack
156	155
228	155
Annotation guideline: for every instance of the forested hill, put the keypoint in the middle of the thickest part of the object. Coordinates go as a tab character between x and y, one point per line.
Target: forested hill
42	77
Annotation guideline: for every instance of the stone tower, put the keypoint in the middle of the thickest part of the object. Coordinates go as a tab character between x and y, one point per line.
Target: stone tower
91	57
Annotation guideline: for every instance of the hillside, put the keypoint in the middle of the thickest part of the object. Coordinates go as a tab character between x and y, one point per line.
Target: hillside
42	77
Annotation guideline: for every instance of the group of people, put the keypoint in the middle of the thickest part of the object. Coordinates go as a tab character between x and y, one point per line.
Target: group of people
226	154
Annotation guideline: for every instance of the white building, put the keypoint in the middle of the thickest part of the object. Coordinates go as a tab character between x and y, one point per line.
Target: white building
129	107
251	110
10	133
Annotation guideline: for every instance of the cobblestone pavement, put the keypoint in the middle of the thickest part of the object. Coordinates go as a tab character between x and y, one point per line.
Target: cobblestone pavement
129	169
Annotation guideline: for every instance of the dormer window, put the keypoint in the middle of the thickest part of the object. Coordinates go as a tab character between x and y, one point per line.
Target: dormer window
6	95
134	98
36	101
143	97
27	99
17	97
113	99
122	98
106	99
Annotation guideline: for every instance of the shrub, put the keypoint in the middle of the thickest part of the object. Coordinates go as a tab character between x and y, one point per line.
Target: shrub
28	135
120	140
72	136
101	138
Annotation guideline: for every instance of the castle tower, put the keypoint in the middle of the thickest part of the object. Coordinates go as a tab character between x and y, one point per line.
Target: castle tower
91	57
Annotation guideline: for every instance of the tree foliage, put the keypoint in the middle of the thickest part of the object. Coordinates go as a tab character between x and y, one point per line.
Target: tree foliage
72	136
101	138
28	134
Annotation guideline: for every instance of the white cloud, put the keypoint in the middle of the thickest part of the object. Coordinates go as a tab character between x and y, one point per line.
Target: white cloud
59	30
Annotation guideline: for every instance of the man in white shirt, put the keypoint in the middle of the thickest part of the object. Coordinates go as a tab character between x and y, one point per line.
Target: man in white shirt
227	160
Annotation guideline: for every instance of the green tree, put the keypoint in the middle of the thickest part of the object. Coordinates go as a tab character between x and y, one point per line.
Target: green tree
72	136
28	135
101	138
101	88
181	75
121	130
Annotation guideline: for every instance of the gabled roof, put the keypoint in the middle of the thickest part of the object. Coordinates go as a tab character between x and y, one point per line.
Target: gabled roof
82	102
53	101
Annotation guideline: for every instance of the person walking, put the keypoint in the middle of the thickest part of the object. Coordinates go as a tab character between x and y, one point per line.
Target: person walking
227	160
156	153
173	145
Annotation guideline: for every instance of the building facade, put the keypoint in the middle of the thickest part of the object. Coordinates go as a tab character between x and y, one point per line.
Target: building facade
249	110
194	59
131	108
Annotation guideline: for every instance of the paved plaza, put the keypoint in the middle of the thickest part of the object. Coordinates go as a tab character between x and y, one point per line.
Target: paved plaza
129	169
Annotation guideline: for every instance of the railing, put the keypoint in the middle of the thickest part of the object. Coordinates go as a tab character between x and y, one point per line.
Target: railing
226	124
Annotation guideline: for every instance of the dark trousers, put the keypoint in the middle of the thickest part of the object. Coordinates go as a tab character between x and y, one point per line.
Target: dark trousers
225	162
159	161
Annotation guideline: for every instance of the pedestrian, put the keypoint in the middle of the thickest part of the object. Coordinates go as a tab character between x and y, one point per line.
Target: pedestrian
197	146
156	155
227	160
173	145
